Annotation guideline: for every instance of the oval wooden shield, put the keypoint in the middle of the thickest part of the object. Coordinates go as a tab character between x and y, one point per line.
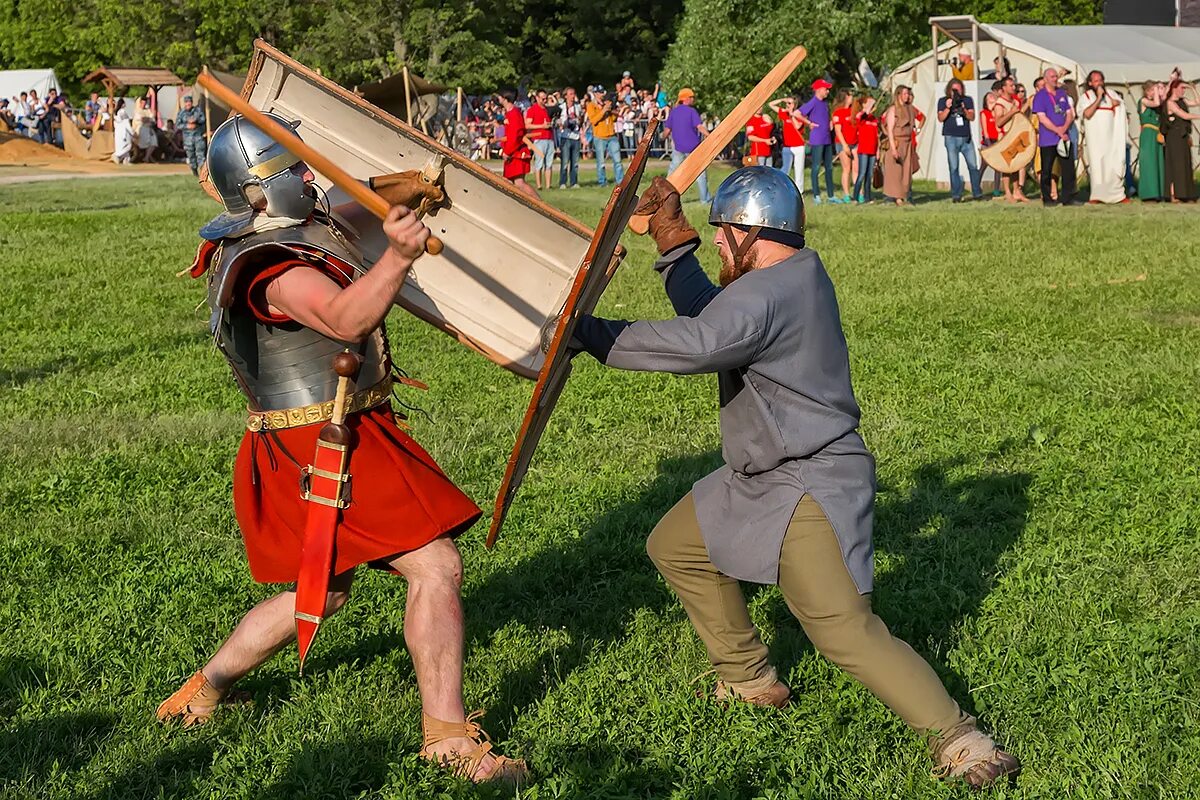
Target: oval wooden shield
1015	149
599	264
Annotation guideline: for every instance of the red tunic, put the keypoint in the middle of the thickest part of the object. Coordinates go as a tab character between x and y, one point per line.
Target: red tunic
517	154
400	500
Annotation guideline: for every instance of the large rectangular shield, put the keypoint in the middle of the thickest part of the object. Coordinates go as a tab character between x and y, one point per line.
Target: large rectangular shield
602	257
509	262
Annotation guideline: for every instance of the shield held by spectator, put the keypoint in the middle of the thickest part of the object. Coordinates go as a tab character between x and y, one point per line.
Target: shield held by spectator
1015	149
599	264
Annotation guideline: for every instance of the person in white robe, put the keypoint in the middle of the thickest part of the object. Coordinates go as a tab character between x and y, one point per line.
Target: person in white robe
122	135
1105	133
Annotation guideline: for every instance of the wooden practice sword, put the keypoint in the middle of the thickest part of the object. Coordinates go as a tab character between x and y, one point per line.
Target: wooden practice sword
723	134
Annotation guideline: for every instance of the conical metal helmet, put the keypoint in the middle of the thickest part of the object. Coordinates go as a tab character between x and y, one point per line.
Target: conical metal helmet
759	196
239	156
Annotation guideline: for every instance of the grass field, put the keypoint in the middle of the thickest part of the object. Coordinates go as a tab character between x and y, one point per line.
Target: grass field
1029	384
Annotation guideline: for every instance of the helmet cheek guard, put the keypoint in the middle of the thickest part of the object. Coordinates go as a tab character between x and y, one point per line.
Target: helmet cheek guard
252	173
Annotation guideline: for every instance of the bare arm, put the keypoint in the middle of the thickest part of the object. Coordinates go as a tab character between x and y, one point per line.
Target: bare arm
1173	108
943	113
1094	107
350	314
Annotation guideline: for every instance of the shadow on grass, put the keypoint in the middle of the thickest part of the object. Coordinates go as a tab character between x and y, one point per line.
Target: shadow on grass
946	536
342	768
32	750
170	774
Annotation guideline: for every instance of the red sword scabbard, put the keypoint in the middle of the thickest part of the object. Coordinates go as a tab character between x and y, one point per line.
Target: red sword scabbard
324	490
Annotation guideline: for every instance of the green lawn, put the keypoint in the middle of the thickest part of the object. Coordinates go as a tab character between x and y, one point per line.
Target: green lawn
1029	384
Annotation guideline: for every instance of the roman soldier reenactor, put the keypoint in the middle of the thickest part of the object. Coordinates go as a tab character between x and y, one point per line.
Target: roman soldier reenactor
326	479
792	505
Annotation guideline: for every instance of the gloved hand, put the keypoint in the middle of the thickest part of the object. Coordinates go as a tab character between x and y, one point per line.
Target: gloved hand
409	189
668	226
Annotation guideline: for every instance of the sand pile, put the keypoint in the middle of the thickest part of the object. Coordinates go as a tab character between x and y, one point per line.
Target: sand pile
20	151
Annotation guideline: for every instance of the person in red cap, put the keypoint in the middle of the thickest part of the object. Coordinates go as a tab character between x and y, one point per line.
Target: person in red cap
815	114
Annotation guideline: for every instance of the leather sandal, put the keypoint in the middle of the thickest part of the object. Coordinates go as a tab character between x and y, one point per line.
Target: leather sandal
466	764
970	754
195	702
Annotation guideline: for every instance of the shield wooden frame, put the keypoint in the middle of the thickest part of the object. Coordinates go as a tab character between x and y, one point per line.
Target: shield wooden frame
509	262
590	284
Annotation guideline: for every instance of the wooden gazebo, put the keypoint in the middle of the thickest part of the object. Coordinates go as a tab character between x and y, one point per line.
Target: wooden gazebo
114	78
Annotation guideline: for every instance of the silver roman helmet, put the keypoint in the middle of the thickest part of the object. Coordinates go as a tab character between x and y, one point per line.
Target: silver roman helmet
248	167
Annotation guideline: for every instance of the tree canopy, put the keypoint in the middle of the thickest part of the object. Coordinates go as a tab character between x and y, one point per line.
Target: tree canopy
718	47
478	45
723	47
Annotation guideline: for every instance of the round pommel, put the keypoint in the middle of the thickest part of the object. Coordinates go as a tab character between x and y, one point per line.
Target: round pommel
433	246
346	364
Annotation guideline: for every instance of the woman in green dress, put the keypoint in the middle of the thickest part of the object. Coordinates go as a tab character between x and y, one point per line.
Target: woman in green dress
1179	179
1150	143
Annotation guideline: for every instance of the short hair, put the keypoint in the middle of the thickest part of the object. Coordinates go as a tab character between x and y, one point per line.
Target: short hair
998	85
508	94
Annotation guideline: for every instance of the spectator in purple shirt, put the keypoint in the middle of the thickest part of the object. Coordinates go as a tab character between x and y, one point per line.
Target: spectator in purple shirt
686	130
815	114
1055	116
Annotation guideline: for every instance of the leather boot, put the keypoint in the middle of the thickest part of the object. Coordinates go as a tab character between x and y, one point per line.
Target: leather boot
970	754
668	226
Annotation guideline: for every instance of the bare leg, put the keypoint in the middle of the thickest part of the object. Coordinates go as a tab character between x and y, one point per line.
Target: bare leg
433	631
262	633
525	188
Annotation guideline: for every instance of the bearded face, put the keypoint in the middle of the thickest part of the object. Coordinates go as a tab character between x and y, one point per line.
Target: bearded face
730	272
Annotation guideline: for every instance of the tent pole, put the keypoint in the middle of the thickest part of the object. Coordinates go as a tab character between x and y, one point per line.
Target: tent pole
459	118
407	97
933	30
975	50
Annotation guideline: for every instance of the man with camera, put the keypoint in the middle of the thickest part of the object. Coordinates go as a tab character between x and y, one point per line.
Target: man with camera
570	124
956	112
603	119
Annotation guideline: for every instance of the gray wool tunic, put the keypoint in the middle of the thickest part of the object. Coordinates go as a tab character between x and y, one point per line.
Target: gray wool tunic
789	420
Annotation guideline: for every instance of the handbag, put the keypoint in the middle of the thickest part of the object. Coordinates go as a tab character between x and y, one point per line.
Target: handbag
877	177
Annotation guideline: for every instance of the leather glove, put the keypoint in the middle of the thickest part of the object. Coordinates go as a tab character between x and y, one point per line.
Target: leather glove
668	226
409	189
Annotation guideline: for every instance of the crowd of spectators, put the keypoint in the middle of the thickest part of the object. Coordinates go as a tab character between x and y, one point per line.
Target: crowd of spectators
874	143
140	133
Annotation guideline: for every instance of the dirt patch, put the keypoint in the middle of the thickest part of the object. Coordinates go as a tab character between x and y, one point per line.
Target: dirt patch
23	151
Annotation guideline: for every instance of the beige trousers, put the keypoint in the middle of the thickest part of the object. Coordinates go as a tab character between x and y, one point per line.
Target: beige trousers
820	593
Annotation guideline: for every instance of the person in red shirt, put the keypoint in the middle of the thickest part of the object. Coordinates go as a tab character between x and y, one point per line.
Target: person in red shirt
793	138
537	123
760	132
517	149
845	137
866	126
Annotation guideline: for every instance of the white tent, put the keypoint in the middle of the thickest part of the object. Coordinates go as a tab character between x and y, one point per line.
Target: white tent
15	81
1126	54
